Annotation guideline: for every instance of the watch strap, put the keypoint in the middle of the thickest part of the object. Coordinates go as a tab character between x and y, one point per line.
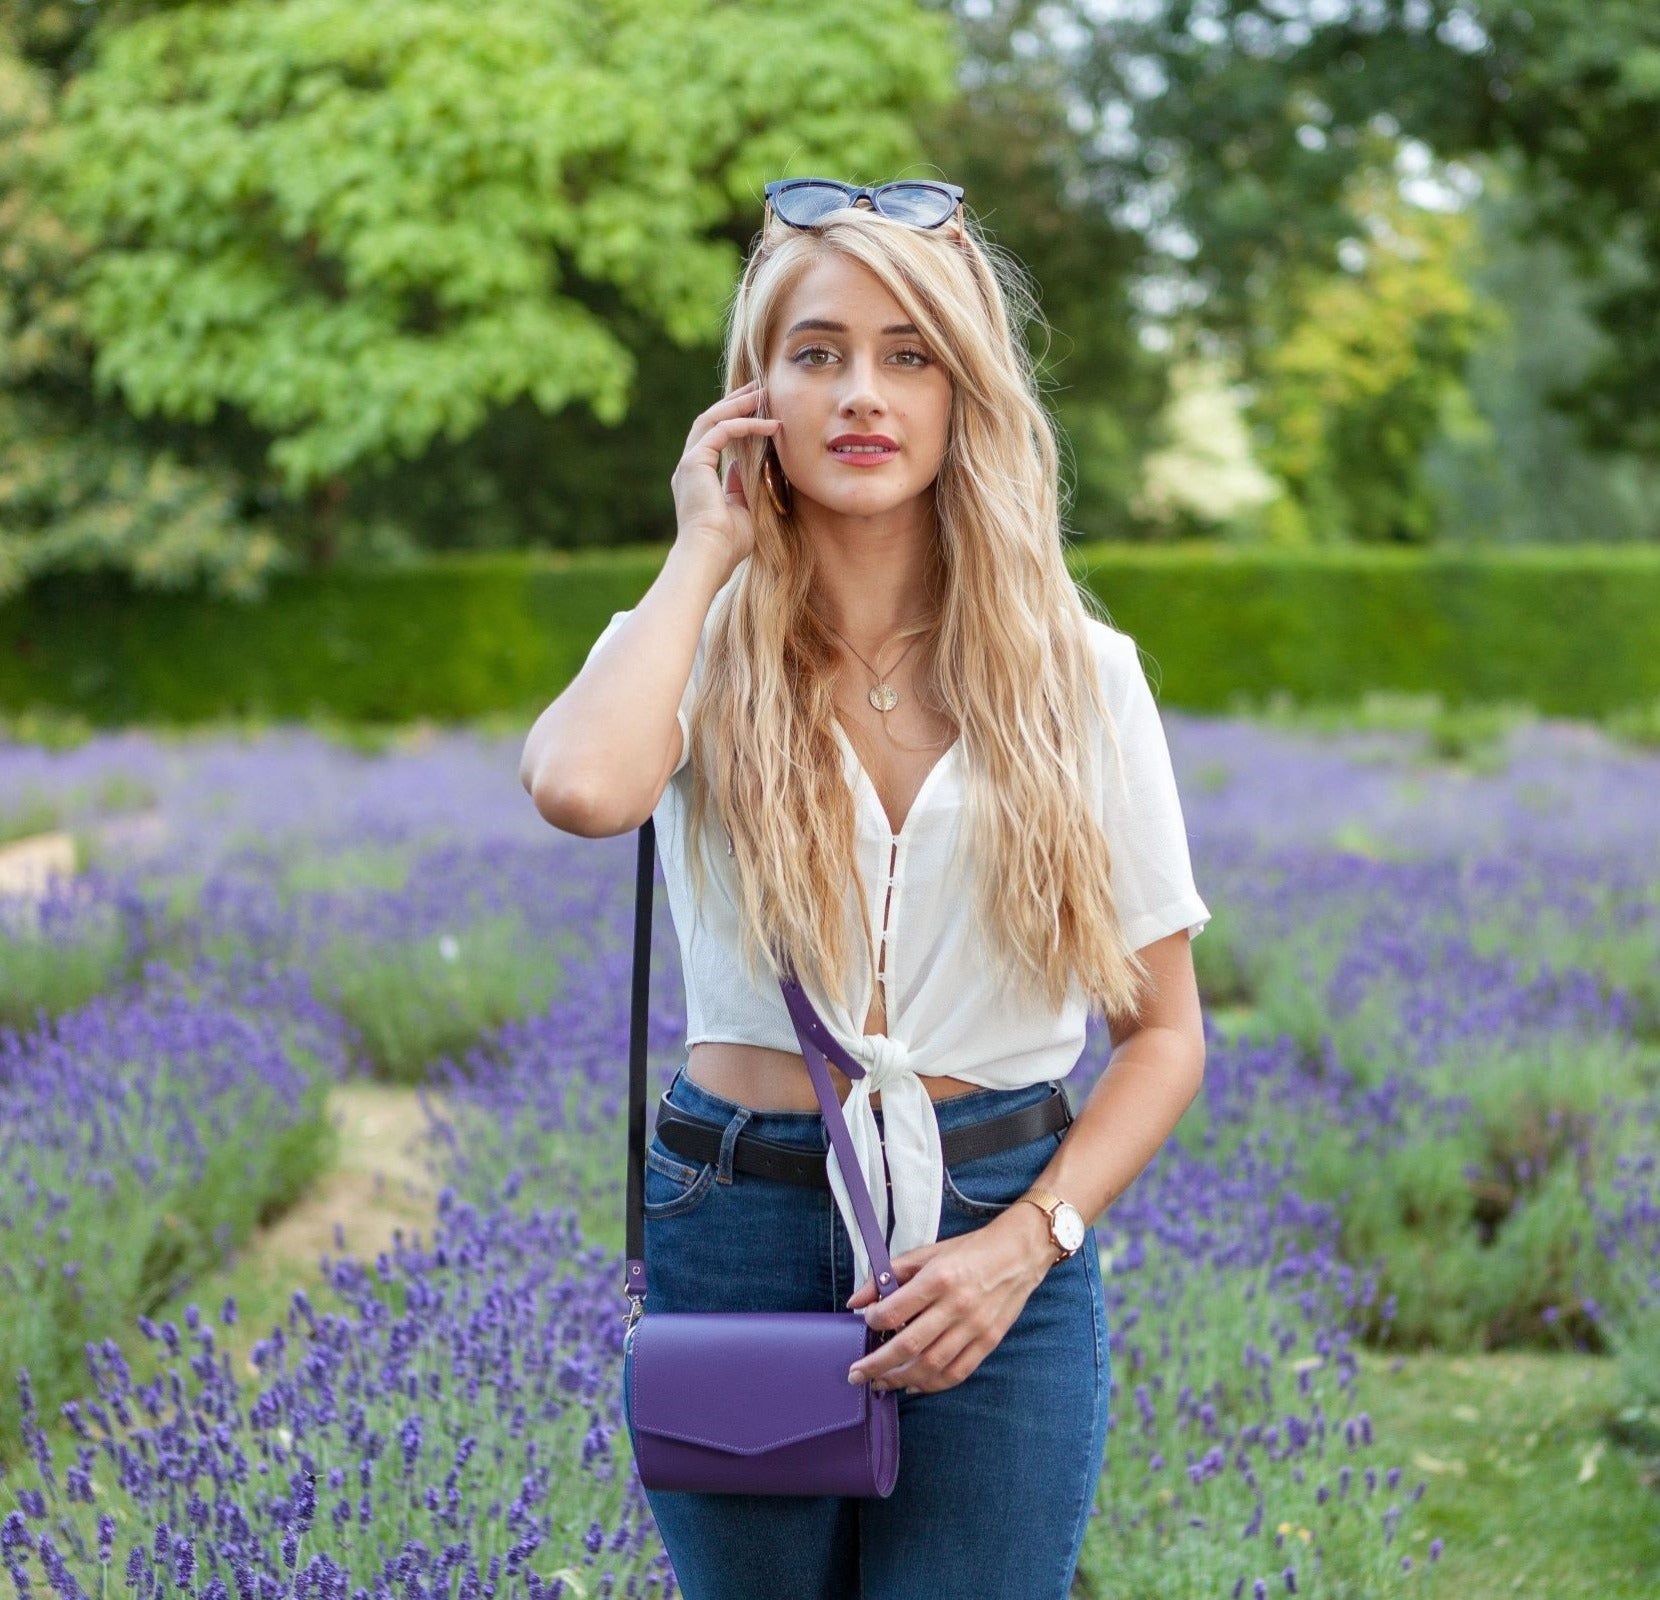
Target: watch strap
1047	1201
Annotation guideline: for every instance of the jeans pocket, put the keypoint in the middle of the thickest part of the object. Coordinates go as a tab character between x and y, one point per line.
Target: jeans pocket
673	1187
987	1186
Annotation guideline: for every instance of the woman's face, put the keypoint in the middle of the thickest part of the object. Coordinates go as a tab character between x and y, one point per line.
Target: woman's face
847	361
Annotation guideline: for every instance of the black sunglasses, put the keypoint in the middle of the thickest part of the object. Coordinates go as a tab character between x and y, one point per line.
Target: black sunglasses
803	202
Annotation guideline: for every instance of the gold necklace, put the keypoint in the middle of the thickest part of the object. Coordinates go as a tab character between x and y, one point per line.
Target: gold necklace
882	695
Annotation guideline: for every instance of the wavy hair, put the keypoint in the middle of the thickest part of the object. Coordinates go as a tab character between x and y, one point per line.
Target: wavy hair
1005	654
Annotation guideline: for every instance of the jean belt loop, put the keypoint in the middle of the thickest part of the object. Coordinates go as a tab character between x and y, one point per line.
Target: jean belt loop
729	1139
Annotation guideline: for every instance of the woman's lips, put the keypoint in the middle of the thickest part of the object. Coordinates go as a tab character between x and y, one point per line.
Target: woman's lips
863	458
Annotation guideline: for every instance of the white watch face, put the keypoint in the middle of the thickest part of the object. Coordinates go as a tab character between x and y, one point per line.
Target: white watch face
1069	1225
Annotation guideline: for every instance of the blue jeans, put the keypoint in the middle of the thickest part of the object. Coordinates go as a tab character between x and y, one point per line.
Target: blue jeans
997	1474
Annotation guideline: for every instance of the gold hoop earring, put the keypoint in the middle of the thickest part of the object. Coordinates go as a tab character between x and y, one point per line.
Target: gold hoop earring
782	502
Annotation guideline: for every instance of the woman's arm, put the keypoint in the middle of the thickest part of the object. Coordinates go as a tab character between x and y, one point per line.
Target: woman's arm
1155	1072
597	759
981	1279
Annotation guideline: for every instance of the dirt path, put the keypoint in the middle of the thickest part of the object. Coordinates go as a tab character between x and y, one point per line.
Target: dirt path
379	1183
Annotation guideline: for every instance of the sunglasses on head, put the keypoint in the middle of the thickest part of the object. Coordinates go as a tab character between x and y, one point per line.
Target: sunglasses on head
804	202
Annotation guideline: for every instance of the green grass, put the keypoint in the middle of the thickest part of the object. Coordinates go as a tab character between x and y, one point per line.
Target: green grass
1531	1491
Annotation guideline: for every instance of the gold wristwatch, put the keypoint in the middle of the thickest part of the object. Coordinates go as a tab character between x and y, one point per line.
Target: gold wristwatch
1066	1222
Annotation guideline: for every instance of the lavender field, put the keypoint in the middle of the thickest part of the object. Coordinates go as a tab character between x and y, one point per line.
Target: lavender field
1418	1200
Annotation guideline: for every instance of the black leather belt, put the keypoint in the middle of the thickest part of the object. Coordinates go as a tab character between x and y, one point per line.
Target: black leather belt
700	1141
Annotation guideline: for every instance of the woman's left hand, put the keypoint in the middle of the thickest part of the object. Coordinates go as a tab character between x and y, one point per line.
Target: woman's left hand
956	1300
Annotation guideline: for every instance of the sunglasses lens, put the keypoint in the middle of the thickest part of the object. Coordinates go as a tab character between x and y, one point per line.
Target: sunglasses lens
806	203
916	204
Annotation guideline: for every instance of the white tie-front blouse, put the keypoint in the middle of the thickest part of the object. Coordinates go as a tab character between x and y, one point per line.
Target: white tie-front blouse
943	1017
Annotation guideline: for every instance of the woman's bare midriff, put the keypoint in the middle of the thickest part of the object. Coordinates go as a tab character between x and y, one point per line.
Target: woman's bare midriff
764	1079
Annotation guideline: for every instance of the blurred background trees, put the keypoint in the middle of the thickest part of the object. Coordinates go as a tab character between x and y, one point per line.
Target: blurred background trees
285	284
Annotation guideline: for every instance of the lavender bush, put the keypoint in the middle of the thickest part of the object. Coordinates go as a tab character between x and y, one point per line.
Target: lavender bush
457	1430
1429	1112
142	1136
85	935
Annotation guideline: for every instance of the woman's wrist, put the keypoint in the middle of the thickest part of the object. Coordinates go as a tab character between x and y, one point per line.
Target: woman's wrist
1031	1224
702	558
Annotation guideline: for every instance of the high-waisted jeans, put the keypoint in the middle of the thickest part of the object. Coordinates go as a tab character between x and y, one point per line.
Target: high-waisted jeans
997	1474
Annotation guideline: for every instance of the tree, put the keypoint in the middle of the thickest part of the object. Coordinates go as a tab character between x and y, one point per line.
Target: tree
1205	474
356	230
84	484
1244	123
1360	370
1520	471
1013	140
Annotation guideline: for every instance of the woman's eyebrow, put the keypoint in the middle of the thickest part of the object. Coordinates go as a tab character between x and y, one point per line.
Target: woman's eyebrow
820	325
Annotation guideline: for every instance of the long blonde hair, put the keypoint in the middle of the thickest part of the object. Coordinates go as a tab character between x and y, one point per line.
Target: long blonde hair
1006	654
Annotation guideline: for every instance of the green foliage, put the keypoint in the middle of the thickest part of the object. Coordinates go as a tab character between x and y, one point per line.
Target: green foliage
1255	125
26	814
1570	630
1640	724
1205	470
1250	120
1363	370
281	285
366	226
1515	471
441	639
83	494
1012	140
48	974
1577	96
323	280
84	485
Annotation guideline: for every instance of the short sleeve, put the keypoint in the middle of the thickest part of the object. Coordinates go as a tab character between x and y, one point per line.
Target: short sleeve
1141	812
684	710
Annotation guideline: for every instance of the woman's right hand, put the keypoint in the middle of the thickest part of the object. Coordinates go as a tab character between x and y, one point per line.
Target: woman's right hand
703	507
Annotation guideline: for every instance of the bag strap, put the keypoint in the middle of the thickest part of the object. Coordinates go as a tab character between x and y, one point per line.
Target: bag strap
817	1043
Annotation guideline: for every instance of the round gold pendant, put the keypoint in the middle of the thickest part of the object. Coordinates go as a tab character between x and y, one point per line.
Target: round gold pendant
884	697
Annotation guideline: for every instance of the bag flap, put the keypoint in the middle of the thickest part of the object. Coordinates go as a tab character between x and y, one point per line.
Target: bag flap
746	1381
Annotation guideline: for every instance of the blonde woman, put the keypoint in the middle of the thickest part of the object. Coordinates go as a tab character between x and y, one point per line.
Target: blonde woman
878	726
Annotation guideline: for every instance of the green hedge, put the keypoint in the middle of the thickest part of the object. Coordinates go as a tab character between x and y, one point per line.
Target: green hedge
1571	630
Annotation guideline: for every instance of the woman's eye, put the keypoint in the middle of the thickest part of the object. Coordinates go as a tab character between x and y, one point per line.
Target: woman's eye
921	360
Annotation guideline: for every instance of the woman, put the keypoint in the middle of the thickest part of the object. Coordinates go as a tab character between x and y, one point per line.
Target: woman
932	775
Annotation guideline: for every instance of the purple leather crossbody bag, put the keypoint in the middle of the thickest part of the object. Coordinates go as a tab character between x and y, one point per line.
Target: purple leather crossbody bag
751	1402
